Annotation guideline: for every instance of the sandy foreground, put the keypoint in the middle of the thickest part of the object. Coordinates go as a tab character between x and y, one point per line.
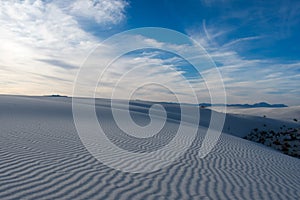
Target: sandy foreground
42	157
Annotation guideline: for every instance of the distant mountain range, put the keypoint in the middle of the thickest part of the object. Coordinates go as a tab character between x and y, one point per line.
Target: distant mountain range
256	105
55	95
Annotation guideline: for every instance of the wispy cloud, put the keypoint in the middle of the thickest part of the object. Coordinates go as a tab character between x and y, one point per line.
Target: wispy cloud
249	80
58	63
40	40
236	41
44	47
44	42
104	12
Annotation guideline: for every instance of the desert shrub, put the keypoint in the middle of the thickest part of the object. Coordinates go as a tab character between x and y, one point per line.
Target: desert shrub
285	148
276	142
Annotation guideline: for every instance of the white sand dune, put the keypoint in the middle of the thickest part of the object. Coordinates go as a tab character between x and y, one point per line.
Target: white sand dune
42	157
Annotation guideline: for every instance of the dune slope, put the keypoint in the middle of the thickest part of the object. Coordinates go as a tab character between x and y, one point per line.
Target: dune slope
42	157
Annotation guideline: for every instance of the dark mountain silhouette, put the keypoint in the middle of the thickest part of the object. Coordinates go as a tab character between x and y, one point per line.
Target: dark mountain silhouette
256	105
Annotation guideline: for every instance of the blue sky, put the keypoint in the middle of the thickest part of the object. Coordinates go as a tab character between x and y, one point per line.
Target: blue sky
255	44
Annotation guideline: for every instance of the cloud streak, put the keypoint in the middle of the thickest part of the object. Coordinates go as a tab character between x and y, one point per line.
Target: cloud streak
103	12
40	40
58	63
249	80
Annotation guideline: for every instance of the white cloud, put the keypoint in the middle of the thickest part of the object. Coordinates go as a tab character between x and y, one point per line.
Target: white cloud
42	44
155	68
234	42
249	80
102	11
